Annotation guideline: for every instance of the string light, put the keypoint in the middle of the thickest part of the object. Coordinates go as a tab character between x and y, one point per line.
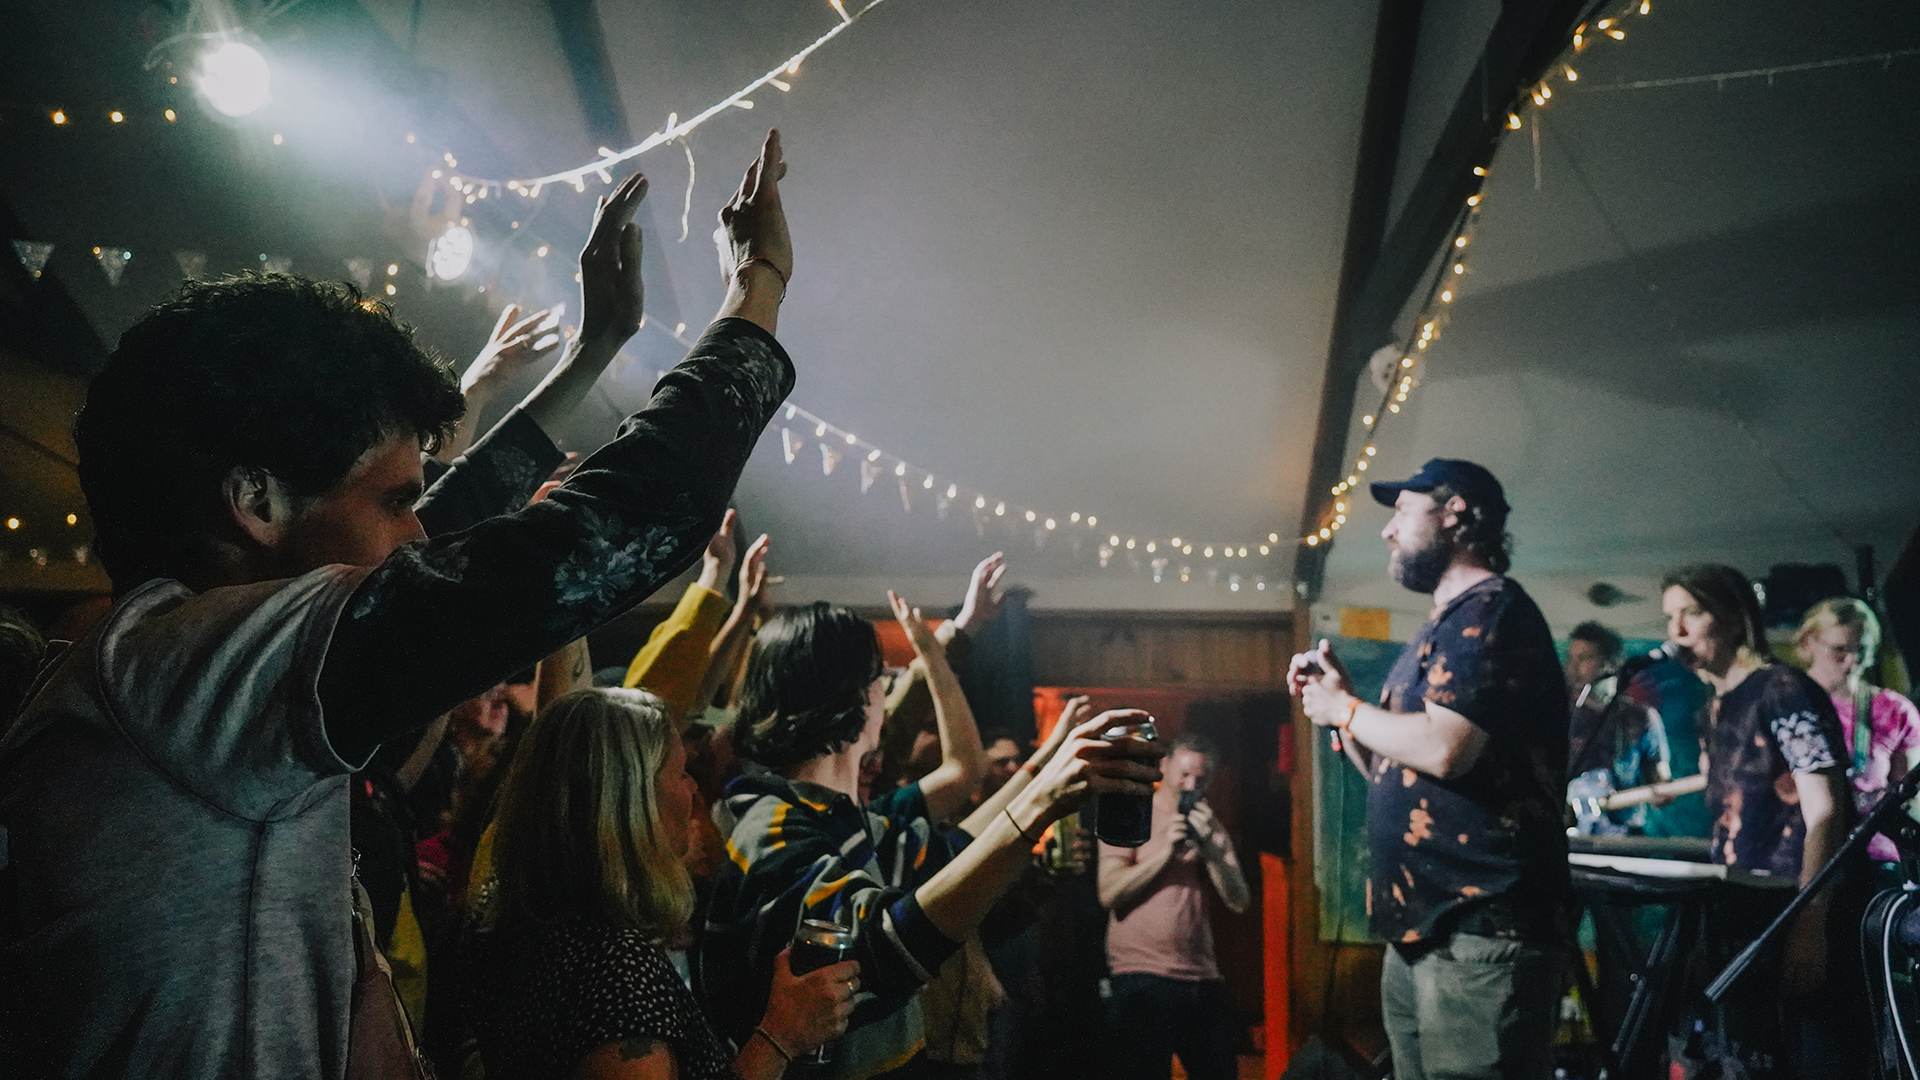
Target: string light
1444	288
59	117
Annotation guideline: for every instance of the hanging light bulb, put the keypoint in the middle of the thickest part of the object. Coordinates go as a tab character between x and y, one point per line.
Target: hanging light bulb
235	78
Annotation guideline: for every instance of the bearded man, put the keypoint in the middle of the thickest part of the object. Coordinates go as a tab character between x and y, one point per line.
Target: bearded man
1465	757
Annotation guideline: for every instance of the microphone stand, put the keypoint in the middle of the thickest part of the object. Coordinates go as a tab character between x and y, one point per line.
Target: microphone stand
1899	793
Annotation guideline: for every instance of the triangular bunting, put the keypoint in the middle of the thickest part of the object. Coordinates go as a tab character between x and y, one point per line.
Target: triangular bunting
789	445
868	472
906	498
113	262
829	457
193	264
33	255
940	507
360	272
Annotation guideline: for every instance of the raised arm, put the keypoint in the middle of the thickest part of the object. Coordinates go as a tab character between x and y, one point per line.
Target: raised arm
1076	712
672	665
509	350
440	620
1210	839
754	243
752	606
949	788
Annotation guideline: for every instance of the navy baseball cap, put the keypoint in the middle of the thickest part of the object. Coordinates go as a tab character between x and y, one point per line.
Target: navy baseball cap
1473	482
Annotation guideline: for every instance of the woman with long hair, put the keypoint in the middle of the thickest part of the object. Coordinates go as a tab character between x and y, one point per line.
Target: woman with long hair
570	973
1776	788
802	845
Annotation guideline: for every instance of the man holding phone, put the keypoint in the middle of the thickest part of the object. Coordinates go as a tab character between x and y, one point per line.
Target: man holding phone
1167	995
1465	756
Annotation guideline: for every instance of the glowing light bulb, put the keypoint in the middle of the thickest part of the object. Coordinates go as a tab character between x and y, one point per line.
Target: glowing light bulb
1186	549
1646	7
171	116
1113	541
820	430
59	117
900	469
1353	481
1459	241
1075	516
1572	75
1243	552
1265	550
928	482
1176	541
1367	420
1092	521
73	519
1325	533
1031	516
391	291
1151	547
1273	537
953	491
1363	466
1129	543
1459	268
979	502
1051	523
1479	170
1371	451
1208	553
1446	296
1313	541
1473	200
850	438
1406	361
1393	408
279	139
235	78
541	251
1340	507
116	116
874	456
451	253
1000	509
13	523
1617	35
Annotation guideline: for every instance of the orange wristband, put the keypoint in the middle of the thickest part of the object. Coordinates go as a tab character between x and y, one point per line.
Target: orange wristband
1346	723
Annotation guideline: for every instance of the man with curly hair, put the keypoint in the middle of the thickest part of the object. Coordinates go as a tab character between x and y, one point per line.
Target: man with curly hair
175	865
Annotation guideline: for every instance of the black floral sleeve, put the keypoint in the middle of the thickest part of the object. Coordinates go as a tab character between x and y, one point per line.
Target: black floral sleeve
496	475
443	619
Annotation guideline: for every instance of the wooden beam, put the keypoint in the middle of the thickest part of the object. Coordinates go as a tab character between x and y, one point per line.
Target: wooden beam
1380	269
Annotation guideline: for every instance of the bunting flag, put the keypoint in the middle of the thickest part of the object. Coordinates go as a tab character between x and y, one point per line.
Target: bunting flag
868	471
193	264
829	457
278	264
906	498
113	262
360	272
33	255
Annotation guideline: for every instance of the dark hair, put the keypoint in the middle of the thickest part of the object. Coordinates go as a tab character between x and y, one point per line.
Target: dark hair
1606	640
993	735
1727	595
1482	530
292	377
806	686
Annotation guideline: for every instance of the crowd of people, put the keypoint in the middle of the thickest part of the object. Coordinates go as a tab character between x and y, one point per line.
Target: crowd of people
334	789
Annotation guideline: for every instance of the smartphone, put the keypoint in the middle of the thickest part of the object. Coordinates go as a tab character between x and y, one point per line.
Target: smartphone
1188	800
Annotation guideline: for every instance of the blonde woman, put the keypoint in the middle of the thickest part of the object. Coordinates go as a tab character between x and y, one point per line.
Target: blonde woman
569	974
1838	640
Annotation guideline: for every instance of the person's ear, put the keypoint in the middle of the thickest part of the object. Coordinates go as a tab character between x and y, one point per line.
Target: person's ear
255	504
1450	514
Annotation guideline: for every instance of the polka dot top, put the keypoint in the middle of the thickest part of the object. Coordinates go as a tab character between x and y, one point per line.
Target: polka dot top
542	999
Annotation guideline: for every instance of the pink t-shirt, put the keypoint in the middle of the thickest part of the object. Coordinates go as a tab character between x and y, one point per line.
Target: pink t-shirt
1166	934
1895	730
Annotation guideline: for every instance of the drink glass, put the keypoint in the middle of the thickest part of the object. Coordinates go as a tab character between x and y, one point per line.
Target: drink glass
817	944
1125	820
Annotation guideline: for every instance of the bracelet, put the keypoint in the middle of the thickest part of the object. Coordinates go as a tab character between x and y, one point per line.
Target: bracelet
1008	810
744	263
1031	768
1346	724
773	1042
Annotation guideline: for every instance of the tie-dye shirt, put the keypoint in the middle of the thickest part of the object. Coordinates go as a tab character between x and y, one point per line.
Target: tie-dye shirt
1484	852
1776	724
797	851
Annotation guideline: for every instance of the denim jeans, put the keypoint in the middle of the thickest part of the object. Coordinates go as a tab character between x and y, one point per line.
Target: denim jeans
1473	1008
1150	1019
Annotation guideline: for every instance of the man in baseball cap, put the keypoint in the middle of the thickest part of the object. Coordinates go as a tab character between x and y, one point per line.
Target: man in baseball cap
1465	757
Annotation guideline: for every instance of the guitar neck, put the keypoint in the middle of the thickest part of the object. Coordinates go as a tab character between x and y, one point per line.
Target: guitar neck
1686	785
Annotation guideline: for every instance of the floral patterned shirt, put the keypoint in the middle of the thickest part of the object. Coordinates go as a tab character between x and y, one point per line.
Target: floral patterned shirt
1777	723
1484	852
444	618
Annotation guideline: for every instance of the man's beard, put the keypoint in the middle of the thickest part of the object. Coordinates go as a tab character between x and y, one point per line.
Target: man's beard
1421	570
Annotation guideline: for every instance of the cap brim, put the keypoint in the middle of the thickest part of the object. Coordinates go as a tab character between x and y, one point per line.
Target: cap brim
1386	491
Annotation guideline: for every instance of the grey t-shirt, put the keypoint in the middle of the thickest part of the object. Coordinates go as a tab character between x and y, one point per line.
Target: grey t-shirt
176	831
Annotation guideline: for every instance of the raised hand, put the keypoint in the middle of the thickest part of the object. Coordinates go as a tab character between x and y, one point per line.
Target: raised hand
925	645
508	351
753	224
982	604
754	597
721	551
1088	765
612	298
